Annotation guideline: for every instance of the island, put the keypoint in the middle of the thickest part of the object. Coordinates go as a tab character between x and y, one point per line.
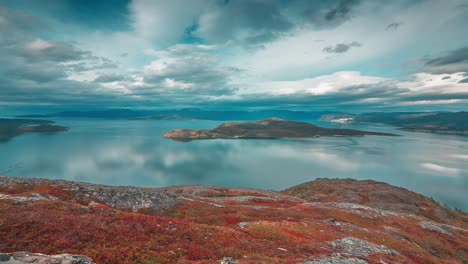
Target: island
10	128
271	128
322	221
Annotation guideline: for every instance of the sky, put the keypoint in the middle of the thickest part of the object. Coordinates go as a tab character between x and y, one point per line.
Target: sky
342	55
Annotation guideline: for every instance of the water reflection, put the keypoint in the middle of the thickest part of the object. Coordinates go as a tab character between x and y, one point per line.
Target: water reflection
133	153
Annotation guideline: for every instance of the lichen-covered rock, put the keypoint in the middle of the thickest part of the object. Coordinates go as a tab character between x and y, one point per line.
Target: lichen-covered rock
360	248
121	197
24	258
228	260
337	260
430	226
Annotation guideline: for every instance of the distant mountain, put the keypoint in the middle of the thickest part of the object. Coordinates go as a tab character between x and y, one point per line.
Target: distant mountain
184	114
265	129
446	122
108	114
164	117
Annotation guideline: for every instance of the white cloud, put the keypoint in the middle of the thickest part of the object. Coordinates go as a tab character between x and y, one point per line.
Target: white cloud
320	85
38	45
165	22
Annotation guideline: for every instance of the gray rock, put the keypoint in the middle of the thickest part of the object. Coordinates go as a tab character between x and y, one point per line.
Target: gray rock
337	260
34	198
121	197
360	248
430	226
228	260
25	258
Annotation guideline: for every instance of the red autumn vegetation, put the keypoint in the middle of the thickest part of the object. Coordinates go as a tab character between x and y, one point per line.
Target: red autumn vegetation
251	226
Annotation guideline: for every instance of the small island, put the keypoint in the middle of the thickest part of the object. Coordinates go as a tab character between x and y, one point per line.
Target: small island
271	128
10	128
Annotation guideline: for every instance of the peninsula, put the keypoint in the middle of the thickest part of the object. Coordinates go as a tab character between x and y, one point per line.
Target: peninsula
10	128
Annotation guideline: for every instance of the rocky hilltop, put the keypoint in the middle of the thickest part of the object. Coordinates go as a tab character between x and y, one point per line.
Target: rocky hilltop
323	221
265	129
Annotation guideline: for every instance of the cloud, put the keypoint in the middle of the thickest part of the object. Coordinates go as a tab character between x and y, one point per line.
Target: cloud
341	47
333	14
450	62
354	91
109	77
42	73
393	26
43	50
38	71
165	22
16	26
178	70
225	53
251	22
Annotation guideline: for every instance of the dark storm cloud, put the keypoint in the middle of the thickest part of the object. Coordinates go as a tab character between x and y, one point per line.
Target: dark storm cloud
450	62
341	47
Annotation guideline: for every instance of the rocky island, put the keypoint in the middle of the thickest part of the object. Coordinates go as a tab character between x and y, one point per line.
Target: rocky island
10	128
324	221
270	128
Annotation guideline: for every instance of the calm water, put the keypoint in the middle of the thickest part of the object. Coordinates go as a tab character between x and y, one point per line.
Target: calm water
134	153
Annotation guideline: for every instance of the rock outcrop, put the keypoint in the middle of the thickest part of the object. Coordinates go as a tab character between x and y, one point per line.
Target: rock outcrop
26	258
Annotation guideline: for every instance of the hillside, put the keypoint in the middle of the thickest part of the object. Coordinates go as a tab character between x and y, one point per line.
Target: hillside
265	129
323	221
